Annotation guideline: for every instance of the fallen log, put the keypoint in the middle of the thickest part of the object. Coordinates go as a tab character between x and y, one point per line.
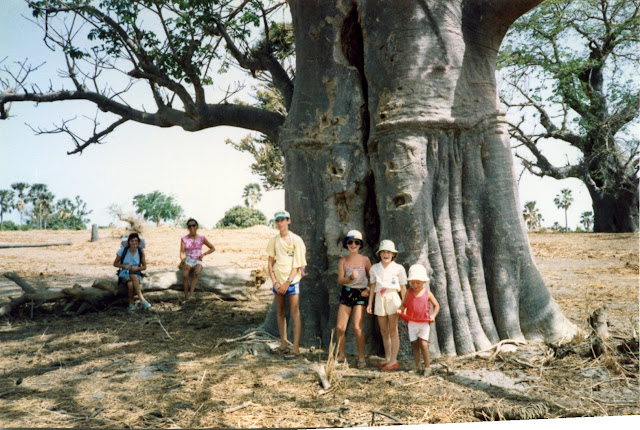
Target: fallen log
226	283
84	298
32	245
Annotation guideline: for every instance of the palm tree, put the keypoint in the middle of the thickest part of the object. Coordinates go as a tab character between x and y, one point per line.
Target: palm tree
41	198
47	206
532	215
6	203
586	219
252	195
20	187
65	209
563	201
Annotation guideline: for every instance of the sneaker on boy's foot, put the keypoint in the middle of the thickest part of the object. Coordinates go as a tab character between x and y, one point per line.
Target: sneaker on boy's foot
132	307
145	304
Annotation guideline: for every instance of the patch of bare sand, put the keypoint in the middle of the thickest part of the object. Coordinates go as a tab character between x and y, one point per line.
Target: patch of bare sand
584	271
122	369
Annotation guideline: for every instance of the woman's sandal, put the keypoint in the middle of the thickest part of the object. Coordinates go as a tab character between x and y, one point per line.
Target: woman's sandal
291	356
279	350
361	364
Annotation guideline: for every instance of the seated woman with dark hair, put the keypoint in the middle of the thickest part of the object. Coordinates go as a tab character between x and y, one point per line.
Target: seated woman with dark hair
191	256
131	262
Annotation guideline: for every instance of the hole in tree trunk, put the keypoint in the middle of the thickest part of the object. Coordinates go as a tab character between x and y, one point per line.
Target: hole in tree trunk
401	200
352	43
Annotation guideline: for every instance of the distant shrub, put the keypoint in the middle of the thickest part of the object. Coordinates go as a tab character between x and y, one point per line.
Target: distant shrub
241	217
542	230
9	225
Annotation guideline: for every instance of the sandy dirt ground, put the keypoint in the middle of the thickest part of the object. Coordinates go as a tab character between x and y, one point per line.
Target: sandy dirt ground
180	366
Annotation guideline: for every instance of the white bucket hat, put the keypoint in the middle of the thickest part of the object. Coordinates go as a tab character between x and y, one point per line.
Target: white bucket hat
353	234
417	272
387	245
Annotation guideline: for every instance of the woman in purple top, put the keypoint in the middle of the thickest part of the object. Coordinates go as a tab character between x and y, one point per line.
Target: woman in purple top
191	255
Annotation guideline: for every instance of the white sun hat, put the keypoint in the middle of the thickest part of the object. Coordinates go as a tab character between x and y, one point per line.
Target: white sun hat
417	272
353	234
387	245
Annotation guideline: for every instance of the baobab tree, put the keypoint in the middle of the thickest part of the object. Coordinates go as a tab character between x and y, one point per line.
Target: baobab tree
392	128
571	69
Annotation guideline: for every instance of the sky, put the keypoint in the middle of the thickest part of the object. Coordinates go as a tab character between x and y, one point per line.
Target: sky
204	175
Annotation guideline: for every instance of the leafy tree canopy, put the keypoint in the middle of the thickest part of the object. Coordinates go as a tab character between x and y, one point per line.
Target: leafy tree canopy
252	195
571	66
6	202
157	207
177	49
241	217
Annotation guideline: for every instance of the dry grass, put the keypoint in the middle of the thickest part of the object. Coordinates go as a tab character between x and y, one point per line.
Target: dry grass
174	366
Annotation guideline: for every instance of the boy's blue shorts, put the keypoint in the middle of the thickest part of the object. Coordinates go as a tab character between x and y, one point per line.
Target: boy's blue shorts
293	289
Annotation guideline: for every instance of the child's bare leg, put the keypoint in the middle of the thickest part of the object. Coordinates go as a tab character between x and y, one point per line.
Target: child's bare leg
185	280
281	311
294	310
358	316
394	338
344	312
424	346
416	353
383	322
194	281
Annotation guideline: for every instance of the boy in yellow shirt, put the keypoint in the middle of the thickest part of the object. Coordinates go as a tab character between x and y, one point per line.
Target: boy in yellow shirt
286	252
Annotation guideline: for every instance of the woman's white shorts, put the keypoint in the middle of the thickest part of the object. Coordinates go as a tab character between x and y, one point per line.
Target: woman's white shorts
191	262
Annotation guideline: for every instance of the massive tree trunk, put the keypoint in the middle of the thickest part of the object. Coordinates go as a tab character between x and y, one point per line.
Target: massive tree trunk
394	130
615	210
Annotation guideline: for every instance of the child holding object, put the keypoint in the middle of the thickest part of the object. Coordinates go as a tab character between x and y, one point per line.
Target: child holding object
416	311
386	279
353	274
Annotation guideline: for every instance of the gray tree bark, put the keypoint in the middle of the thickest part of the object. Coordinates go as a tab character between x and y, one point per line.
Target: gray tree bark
395	130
